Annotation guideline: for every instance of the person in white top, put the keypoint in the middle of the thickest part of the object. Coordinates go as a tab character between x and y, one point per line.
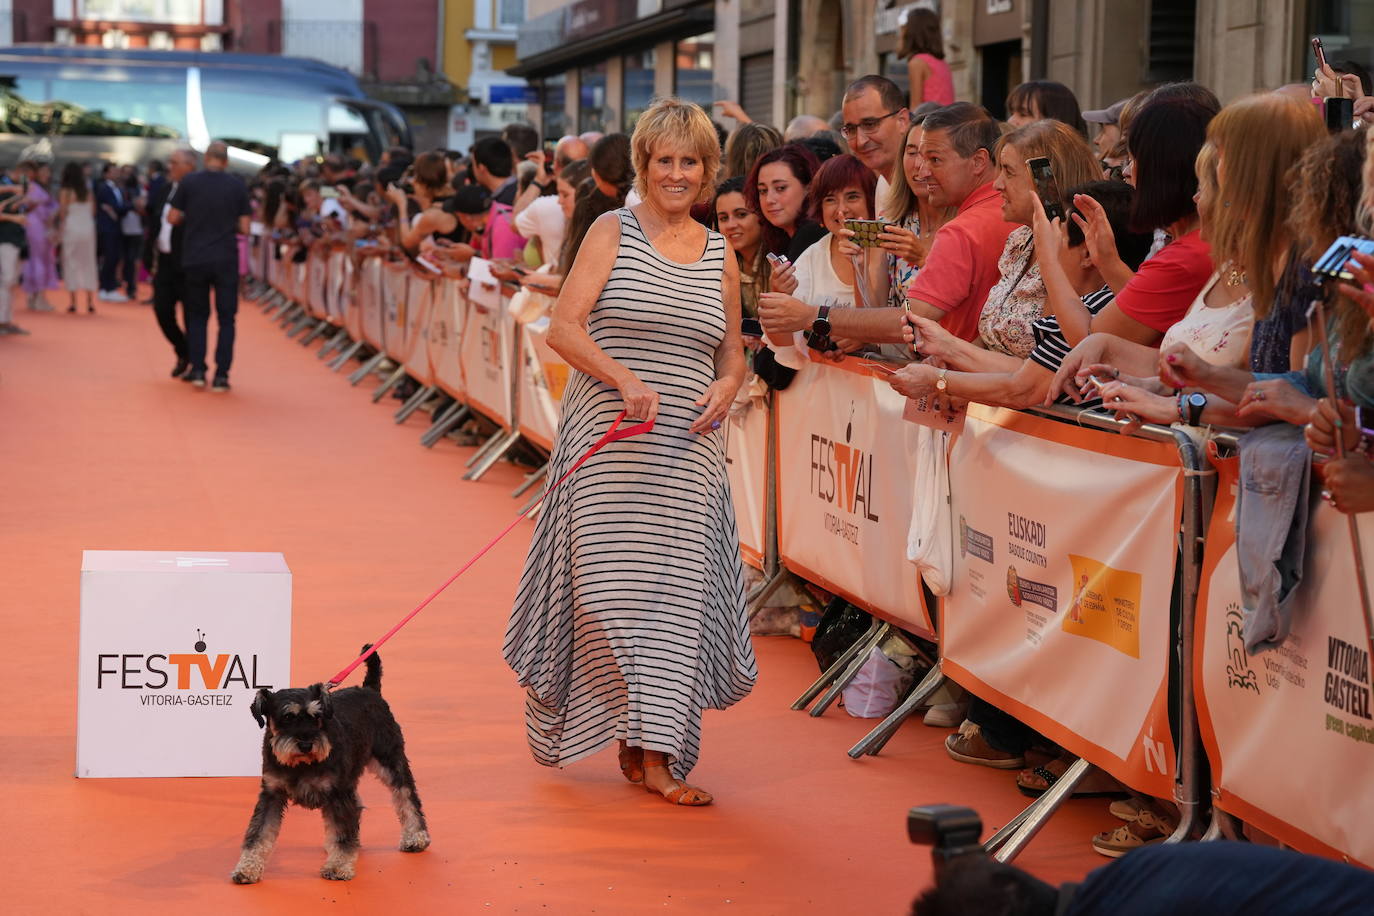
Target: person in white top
825	273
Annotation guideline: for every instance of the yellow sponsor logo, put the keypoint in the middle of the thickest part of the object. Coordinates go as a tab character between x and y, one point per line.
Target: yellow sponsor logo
1104	605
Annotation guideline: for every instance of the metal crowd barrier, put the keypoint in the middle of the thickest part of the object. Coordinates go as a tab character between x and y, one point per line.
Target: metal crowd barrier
824	491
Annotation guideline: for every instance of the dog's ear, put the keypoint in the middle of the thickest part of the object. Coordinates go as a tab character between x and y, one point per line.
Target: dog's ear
318	694
262	706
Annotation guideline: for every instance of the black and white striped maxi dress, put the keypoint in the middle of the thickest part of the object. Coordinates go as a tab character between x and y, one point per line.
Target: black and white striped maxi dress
630	616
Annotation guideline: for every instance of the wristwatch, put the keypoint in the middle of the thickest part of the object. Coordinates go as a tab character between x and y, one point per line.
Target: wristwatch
821	326
1195	403
940	383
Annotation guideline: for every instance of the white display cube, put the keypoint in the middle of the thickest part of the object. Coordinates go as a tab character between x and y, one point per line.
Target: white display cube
173	648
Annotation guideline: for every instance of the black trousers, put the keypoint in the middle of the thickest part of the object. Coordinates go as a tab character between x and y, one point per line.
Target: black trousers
133	247
169	288
109	249
223	279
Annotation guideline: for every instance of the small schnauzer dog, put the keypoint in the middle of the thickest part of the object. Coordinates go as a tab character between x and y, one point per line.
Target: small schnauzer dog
315	748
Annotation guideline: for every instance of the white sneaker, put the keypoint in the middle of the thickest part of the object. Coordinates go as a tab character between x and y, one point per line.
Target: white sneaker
113	295
946	715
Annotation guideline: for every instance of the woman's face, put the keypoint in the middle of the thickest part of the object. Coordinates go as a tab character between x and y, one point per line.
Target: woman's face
911	164
1205	198
1106	139
1014	183
737	222
781	196
675	178
843	204
312	198
1020	117
567	197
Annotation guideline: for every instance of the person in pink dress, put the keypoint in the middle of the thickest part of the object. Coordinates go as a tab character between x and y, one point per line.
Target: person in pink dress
40	270
923	48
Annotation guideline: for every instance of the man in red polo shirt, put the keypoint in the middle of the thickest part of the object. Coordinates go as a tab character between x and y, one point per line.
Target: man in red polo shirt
961	268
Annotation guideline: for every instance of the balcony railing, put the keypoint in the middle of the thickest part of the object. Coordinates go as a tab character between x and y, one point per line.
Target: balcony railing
349	44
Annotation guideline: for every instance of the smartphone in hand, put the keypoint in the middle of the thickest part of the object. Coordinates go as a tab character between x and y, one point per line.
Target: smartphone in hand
1319	52
866	231
1046	187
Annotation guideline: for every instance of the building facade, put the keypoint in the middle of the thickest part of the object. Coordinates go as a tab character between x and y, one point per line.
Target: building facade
479	47
595	64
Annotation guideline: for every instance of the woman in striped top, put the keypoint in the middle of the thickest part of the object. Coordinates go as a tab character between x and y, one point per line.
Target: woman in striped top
1070	275
629	620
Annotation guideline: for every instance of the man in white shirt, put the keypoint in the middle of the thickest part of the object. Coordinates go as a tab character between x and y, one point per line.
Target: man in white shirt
537	212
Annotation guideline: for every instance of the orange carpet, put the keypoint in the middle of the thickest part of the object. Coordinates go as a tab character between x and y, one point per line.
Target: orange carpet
100	449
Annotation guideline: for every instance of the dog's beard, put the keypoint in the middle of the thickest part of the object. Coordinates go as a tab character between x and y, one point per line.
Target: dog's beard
289	754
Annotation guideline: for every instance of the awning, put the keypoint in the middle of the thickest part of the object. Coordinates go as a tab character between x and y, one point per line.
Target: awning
679	22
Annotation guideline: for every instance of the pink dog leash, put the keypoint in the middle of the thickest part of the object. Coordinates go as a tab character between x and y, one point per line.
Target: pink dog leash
612	435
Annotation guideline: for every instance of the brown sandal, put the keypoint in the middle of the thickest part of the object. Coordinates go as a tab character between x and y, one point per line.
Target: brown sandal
631	763
1036	781
681	793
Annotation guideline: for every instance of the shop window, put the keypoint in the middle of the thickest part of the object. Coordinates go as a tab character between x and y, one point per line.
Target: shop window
1346	28
591	98
553	95
639	86
694	69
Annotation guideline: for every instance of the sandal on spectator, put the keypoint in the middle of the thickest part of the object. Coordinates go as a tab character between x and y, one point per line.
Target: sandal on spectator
1127	809
1036	781
1147	829
969	746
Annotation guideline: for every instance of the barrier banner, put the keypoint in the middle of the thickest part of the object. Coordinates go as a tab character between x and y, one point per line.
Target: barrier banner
1290	731
1063	577
419	302
543	377
369	299
338	285
315	269
446	337
395	280
746	461
487	356
846	484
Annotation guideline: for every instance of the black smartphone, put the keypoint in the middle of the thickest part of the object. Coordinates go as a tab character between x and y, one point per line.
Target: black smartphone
750	327
1046	188
1319	52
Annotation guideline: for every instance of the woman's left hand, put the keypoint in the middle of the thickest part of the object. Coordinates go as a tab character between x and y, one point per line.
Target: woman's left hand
914	380
716	405
1349	484
1137	406
1275	398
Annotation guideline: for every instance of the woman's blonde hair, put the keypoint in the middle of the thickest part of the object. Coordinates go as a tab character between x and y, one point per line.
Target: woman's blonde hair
1070	156
1257	138
681	125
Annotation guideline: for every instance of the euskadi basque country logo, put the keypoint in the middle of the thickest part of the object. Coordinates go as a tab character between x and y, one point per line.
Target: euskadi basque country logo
842	475
175	678
1021	590
973	541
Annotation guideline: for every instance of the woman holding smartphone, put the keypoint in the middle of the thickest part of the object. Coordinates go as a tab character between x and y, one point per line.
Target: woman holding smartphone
1018	298
825	273
776	190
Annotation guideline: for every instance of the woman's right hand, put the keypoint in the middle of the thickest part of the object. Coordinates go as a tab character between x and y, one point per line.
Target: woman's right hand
783	279
927	337
641	402
1097	229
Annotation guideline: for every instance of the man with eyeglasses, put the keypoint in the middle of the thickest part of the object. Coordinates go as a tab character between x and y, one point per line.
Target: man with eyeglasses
957	165
875	122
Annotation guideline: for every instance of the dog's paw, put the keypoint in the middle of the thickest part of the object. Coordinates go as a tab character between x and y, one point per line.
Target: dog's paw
416	842
245	876
340	872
